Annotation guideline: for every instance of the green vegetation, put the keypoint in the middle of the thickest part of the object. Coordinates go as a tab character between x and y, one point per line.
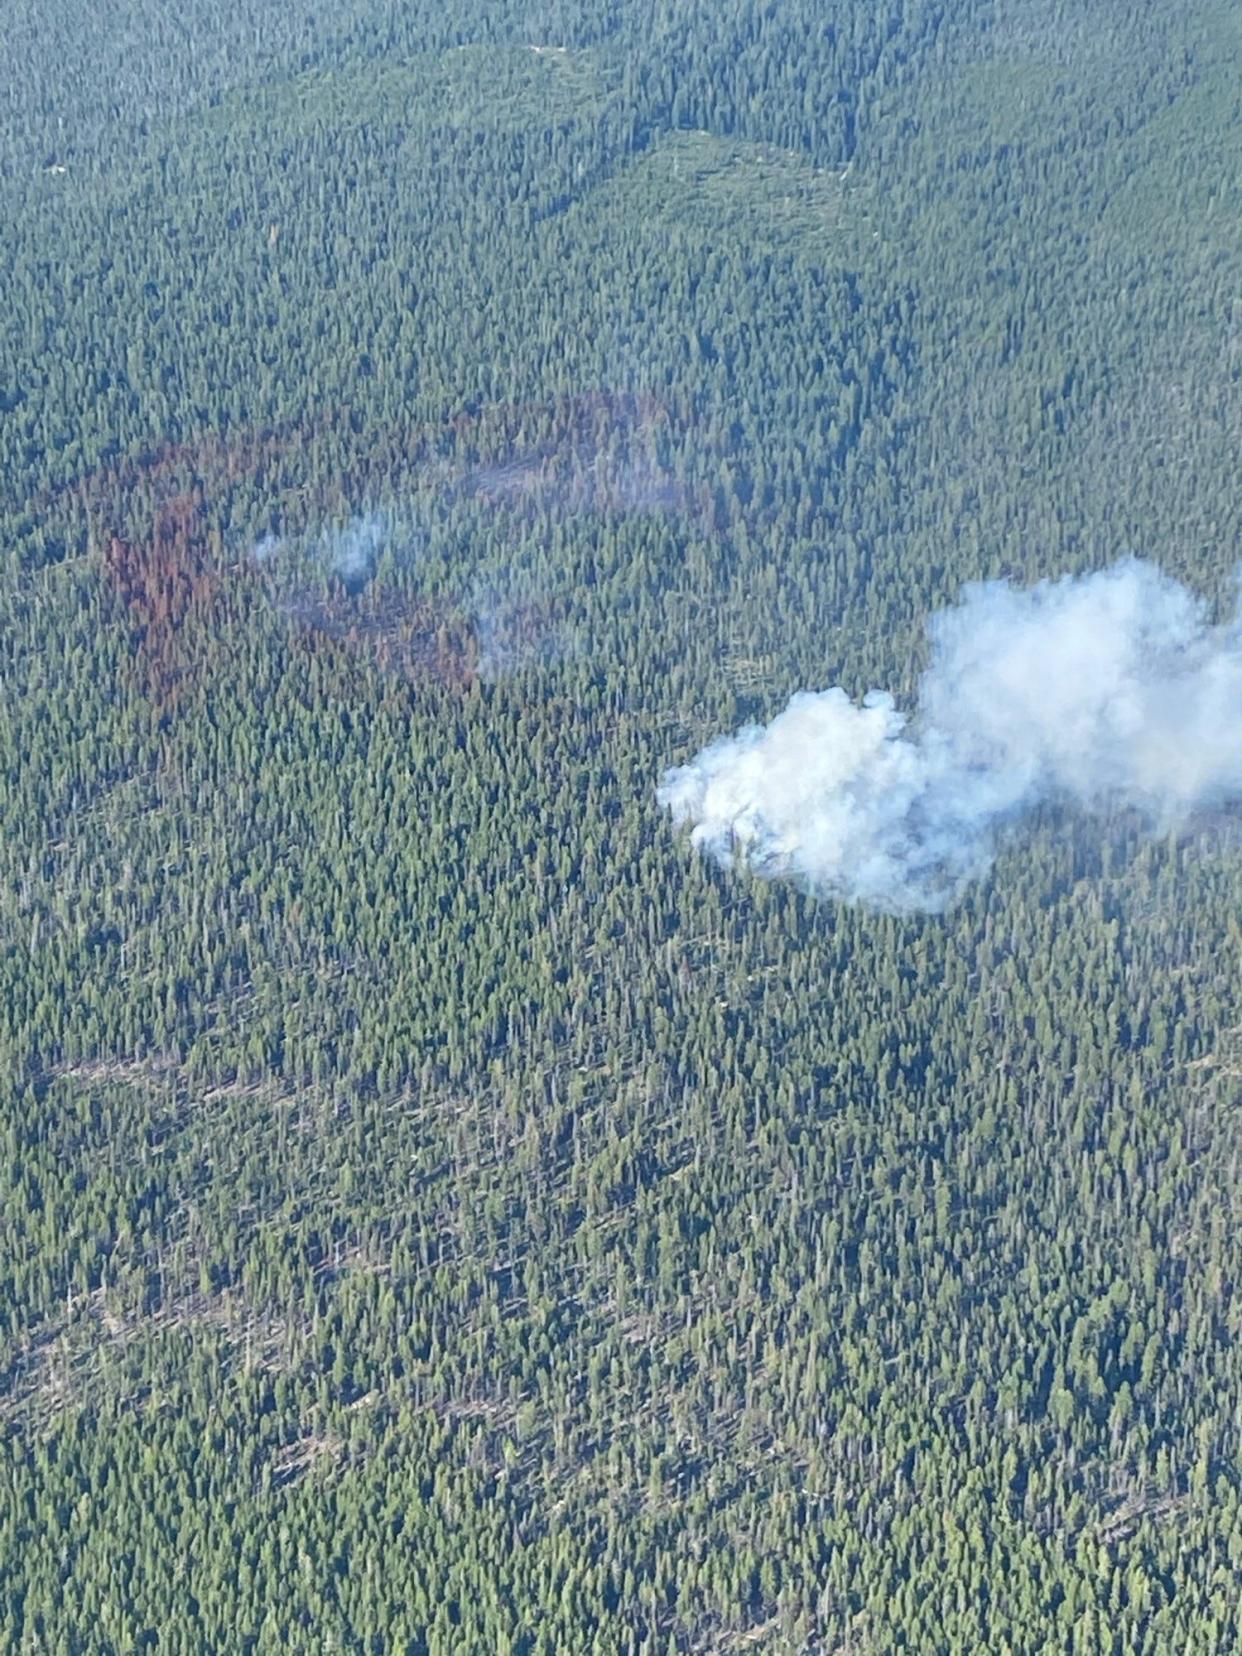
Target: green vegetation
441	1212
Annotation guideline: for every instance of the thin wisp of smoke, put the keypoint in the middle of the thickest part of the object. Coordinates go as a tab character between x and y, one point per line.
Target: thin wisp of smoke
485	628
1111	689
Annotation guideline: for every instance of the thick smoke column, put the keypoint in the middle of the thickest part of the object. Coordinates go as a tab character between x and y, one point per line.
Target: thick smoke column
1109	689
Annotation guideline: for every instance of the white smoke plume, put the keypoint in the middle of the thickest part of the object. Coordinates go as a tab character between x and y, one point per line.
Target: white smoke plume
1111	689
353	550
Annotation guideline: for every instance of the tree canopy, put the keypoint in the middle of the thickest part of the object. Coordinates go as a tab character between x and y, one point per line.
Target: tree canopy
441	1211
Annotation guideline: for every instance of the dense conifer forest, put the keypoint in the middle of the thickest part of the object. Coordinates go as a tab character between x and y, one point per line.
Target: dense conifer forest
441	1211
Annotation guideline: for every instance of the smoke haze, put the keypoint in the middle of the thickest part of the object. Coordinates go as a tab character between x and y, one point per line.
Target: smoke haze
1111	689
353	550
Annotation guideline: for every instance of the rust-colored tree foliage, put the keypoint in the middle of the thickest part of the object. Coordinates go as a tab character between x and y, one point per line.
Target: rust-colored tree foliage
173	590
157	516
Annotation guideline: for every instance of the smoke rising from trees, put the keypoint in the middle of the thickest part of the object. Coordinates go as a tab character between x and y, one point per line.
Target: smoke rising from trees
1111	689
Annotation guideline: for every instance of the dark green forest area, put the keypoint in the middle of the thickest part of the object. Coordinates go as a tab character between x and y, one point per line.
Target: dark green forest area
441	1211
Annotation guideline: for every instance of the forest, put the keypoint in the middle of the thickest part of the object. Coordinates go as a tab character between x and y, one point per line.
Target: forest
443	1211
